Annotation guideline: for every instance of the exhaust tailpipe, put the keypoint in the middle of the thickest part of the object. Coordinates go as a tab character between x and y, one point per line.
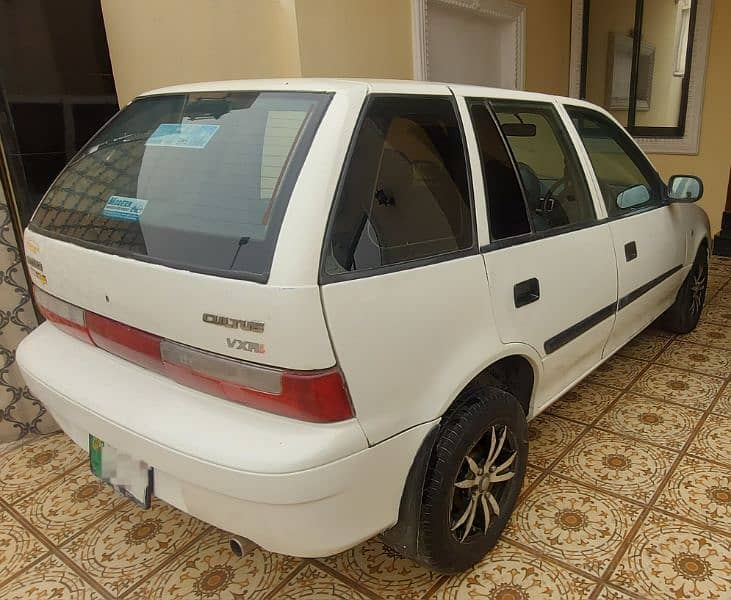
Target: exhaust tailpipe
238	545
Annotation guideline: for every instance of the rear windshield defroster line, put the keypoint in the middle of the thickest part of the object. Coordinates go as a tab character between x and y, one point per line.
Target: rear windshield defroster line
196	181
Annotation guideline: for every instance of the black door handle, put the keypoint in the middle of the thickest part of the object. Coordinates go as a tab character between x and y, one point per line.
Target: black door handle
630	251
526	292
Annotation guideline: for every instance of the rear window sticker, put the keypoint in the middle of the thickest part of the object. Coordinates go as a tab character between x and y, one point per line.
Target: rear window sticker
182	135
126	209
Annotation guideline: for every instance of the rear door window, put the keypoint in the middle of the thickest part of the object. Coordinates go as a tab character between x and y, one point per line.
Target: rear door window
405	193
553	181
198	181
506	209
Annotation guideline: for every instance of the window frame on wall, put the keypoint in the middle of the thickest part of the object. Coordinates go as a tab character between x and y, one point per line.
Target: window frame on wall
685	140
639	130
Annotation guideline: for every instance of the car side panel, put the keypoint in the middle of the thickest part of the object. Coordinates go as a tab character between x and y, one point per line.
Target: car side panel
577	277
409	341
649	282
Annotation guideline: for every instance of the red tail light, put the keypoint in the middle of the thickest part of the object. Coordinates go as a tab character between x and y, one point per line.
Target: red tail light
125	341
316	396
65	316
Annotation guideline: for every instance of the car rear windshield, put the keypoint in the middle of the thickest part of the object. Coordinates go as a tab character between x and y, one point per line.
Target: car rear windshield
197	181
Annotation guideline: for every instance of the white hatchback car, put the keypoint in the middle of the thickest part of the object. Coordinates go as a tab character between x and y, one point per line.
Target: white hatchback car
312	311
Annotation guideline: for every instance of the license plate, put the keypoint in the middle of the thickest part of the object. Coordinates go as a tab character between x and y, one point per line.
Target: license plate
129	476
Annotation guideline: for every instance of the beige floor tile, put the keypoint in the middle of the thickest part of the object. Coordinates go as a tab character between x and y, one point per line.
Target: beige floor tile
676	385
584	402
651	420
717	313
704	359
50	578
617	464
531	475
710	334
18	546
548	436
617	372
122	549
313	582
69	504
33	464
671	559
723	404
645	346
609	593
510	572
700	491
721	298
572	523
210	570
712	441
383	571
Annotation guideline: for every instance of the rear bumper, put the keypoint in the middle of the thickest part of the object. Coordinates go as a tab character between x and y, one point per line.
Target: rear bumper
297	488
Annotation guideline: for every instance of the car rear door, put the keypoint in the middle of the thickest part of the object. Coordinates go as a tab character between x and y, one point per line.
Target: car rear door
550	261
403	284
647	232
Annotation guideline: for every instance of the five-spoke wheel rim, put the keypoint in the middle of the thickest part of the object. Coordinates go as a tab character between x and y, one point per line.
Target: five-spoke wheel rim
481	483
697	288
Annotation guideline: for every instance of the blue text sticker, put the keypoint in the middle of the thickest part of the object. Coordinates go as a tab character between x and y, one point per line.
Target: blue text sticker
183	135
121	207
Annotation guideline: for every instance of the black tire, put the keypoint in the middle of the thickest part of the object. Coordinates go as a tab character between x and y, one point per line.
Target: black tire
683	315
467	428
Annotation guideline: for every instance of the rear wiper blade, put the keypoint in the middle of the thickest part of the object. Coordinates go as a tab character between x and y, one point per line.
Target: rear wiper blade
122	139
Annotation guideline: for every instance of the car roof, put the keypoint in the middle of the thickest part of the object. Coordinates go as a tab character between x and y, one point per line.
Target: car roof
403	86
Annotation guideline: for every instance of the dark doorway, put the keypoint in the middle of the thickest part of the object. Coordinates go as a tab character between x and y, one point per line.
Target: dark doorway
56	90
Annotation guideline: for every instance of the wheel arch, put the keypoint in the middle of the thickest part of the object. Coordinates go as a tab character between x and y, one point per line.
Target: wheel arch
517	372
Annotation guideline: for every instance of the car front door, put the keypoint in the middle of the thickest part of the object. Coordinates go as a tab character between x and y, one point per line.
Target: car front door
647	232
550	261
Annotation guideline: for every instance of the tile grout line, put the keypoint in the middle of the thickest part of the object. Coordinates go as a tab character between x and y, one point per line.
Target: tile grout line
601	414
289	578
438	584
155	570
553	560
46	484
350	582
58	553
632	533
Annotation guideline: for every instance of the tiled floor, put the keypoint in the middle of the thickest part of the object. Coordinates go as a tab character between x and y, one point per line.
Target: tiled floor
628	496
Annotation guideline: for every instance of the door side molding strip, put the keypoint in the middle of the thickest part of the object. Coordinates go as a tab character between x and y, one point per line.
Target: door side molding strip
570	334
643	289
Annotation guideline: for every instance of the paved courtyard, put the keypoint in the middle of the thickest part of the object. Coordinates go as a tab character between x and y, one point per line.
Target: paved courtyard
628	495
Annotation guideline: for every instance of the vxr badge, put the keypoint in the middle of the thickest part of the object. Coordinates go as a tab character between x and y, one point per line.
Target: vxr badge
244	345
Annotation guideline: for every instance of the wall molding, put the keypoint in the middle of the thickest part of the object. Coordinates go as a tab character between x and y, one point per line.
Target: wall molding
690	142
502	10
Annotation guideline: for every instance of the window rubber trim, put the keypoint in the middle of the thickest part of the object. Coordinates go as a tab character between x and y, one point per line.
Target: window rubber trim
324	277
549	233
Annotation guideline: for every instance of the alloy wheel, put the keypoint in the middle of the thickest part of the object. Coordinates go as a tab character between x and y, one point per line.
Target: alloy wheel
481	483
697	288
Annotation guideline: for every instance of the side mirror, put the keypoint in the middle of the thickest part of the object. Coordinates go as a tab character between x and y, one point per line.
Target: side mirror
685	188
633	196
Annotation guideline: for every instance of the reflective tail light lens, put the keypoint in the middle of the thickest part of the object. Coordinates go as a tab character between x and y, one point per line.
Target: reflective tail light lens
315	396
65	316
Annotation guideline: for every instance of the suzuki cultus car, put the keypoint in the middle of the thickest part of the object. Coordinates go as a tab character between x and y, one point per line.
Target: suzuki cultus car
313	311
